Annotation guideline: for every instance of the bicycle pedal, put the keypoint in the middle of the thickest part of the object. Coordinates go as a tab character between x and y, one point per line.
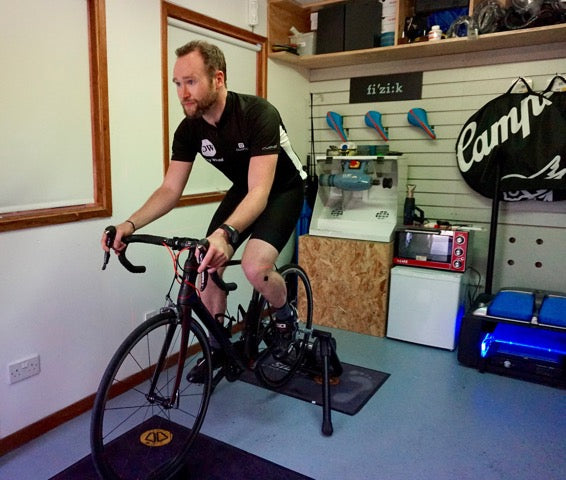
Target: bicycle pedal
232	372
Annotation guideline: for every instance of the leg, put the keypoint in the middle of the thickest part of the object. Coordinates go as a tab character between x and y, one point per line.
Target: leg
214	299
258	263
269	234
273	352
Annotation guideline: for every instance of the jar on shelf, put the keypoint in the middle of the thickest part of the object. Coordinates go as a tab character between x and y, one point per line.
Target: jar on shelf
435	33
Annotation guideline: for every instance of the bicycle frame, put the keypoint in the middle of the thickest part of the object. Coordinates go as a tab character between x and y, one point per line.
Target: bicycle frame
189	303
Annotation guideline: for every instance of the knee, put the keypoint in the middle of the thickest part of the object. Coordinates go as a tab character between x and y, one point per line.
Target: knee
255	273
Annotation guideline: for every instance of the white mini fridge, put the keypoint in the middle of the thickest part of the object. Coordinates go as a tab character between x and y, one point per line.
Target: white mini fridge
425	306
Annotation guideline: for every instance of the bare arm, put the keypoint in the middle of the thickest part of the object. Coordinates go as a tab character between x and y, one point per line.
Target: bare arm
260	180
163	200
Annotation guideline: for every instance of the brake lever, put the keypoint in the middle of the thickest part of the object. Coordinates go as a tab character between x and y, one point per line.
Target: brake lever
110	232
200	256
226	287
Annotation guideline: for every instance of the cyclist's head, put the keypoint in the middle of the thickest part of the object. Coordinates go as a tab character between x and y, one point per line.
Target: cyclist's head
212	56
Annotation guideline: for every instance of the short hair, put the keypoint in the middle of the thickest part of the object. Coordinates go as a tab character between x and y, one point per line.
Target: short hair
212	55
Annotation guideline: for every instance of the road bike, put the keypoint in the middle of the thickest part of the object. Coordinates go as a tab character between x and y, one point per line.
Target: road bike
146	379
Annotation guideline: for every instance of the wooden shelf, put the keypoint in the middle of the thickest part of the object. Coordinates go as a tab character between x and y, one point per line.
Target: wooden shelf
493	41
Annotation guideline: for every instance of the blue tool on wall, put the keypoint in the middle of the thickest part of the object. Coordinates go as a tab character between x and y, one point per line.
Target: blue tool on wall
373	120
418	118
335	122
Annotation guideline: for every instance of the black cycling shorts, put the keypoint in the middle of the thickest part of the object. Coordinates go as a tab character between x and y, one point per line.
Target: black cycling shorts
276	223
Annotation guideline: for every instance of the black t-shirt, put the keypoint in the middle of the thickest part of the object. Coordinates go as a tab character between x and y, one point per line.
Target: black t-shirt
249	126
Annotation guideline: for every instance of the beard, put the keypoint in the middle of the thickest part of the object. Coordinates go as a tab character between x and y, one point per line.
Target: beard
200	107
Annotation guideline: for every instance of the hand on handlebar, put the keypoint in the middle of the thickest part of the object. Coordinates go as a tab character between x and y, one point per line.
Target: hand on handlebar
112	239
180	244
218	254
122	230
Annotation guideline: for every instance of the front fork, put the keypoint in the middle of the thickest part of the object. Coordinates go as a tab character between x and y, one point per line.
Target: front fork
163	363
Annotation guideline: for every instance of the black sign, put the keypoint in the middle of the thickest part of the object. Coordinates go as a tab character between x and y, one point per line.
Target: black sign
386	88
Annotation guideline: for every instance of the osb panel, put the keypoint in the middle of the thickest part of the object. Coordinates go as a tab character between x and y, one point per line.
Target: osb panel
350	282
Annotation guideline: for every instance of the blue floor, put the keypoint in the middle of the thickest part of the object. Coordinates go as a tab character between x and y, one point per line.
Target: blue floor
432	419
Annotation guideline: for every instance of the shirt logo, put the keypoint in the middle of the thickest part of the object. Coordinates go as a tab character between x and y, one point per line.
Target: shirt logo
207	149
241	147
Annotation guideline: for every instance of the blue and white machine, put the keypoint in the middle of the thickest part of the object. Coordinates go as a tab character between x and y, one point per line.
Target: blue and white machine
359	196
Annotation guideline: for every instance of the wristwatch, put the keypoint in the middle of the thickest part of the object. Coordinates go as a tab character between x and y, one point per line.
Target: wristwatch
232	234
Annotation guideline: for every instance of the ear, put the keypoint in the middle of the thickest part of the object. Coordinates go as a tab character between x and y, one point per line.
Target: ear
219	78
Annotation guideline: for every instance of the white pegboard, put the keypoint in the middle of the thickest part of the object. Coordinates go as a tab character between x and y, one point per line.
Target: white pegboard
530	257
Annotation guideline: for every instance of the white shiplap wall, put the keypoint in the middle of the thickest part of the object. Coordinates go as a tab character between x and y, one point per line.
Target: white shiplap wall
529	232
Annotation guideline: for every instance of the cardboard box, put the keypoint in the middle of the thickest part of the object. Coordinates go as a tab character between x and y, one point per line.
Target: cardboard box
305	43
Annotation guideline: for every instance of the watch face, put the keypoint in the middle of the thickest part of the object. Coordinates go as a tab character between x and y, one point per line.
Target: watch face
232	233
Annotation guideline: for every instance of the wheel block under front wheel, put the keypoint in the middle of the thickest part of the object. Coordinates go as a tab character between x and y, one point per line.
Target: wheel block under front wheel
276	370
131	423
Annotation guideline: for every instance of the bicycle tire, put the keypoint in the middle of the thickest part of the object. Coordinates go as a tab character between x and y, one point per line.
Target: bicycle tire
275	371
125	420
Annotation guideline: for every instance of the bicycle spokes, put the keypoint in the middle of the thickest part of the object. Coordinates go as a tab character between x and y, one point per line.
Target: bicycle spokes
143	385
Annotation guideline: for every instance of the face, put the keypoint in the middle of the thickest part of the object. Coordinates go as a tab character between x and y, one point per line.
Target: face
196	91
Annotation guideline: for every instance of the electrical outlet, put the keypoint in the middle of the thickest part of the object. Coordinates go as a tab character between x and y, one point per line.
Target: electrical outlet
20	370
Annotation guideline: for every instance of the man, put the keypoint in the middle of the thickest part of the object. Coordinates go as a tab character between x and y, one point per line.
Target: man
244	137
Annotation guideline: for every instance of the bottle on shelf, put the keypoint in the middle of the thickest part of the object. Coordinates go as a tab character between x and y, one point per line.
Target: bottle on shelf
388	22
435	33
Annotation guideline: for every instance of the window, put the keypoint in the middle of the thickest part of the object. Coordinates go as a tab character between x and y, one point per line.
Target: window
55	154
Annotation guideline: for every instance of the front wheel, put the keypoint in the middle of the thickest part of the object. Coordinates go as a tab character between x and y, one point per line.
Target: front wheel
274	370
137	429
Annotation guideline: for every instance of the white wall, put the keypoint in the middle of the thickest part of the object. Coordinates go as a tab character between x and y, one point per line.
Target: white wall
56	300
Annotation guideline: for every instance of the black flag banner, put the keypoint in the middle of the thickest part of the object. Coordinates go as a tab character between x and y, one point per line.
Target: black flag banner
520	138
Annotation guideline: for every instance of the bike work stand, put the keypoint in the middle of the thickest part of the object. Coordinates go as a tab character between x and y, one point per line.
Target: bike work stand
323	357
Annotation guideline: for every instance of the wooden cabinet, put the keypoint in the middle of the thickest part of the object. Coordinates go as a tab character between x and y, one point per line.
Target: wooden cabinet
282	14
350	282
